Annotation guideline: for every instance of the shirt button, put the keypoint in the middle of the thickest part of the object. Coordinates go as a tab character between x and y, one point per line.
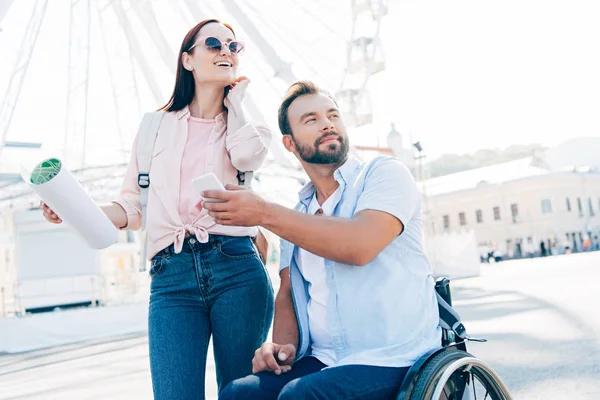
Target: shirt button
192	241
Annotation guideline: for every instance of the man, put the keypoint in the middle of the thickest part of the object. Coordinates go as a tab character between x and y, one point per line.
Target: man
357	305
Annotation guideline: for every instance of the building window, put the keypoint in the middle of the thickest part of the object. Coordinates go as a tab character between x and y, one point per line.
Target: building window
568	204
591	207
514	212
446	222
579	207
546	206
479	216
462	218
496	213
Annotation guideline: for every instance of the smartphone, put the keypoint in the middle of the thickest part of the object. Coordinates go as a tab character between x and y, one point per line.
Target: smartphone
208	181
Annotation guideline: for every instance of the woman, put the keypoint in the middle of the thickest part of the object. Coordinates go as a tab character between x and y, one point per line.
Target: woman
206	279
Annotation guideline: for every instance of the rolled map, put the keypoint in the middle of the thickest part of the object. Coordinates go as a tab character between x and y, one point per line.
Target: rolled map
59	189
45	171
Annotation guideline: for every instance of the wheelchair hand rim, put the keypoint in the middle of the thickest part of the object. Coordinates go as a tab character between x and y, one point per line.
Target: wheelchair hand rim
453	366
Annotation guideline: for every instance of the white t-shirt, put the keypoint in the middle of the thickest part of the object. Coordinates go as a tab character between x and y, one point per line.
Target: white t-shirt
313	270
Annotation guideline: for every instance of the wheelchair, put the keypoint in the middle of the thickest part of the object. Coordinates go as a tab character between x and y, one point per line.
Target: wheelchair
450	372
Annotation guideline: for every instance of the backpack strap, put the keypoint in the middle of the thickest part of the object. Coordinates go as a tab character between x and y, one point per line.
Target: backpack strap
147	133
260	241
245	178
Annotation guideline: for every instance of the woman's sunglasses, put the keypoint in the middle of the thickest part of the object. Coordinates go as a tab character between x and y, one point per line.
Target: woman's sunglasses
214	44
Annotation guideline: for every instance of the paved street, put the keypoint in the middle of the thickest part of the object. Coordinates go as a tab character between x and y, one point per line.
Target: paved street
540	316
542	321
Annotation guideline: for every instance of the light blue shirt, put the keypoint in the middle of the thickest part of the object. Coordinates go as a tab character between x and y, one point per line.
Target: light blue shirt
384	313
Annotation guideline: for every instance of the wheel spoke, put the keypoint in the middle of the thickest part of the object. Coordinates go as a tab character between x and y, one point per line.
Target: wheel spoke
447	395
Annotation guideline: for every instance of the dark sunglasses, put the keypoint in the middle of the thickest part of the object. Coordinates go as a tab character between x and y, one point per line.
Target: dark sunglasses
214	44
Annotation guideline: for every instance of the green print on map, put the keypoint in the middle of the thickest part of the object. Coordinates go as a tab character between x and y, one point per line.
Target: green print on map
45	171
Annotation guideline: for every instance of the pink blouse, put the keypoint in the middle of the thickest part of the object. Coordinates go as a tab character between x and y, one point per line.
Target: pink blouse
185	148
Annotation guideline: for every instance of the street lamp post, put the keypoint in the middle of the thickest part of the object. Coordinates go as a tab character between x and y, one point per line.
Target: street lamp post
419	159
421	178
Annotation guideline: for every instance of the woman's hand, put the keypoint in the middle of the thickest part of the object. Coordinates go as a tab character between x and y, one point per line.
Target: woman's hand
49	214
236	94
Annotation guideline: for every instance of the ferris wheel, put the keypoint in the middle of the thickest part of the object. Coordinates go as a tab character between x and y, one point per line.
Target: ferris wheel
130	43
365	58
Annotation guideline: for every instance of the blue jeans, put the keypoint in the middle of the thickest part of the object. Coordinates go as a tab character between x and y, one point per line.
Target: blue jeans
219	288
307	380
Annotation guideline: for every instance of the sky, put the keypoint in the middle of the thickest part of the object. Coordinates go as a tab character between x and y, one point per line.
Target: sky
479	74
460	75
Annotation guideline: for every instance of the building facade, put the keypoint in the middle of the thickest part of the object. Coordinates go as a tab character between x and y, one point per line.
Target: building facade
519	208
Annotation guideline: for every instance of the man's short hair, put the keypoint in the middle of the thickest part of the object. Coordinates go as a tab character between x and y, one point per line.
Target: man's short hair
297	89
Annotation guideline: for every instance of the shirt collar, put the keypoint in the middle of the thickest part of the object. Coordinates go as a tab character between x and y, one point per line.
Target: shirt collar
347	170
220	119
184	112
342	175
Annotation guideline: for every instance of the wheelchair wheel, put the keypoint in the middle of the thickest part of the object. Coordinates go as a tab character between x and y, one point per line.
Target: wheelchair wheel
457	375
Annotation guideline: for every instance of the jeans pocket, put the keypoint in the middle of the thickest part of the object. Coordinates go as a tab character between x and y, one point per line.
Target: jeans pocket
237	248
156	265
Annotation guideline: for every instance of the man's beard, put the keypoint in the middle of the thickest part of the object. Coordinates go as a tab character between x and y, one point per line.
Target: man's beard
313	155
